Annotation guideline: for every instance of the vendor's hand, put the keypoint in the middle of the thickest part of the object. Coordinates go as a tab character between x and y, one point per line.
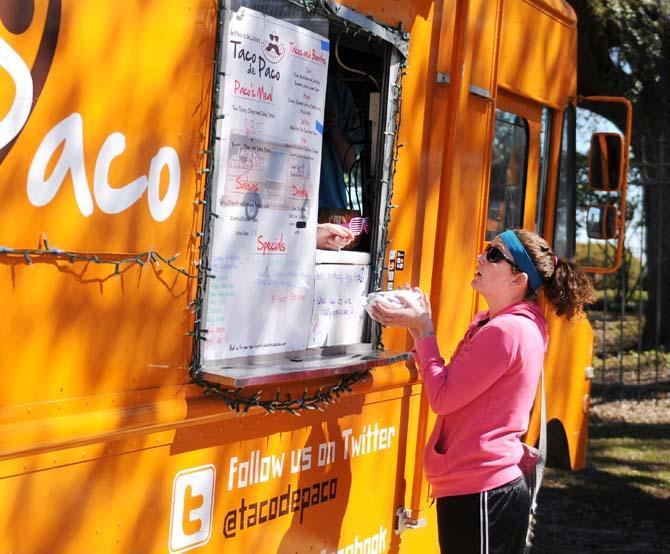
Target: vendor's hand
330	236
414	314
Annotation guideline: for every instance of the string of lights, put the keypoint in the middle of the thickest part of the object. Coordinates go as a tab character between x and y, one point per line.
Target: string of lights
118	261
199	333
324	395
380	266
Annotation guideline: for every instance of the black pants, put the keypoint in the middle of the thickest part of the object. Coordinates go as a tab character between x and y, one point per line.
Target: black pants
491	522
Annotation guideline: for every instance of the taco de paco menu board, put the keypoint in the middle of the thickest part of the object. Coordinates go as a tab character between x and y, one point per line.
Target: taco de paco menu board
265	188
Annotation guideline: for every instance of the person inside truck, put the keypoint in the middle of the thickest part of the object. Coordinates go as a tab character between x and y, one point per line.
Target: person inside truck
342	135
484	395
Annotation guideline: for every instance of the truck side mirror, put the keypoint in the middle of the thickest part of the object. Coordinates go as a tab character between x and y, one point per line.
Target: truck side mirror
606	162
608	183
602	222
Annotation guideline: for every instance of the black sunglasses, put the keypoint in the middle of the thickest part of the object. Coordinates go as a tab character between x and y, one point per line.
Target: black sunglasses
495	255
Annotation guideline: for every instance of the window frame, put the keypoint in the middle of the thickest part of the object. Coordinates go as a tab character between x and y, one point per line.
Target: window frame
567	154
278	367
524	169
544	167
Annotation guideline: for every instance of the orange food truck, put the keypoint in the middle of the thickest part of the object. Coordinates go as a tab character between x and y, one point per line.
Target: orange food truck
184	370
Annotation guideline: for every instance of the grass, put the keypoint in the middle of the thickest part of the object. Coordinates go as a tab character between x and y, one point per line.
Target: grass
643	462
633	368
613	297
621	501
616	332
616	360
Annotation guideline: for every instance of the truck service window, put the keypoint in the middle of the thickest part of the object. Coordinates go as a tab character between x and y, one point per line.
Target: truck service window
305	134
508	173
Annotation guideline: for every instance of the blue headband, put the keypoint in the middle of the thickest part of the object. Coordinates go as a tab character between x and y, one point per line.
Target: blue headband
521	258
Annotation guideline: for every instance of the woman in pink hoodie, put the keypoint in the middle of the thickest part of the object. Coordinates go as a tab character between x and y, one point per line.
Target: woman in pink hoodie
484	395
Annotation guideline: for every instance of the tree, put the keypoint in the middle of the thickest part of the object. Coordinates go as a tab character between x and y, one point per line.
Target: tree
624	50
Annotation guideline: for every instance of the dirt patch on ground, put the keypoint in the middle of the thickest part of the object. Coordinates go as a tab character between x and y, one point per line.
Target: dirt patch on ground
621	501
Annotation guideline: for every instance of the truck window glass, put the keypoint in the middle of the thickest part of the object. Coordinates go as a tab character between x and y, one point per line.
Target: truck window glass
543	174
508	173
564	227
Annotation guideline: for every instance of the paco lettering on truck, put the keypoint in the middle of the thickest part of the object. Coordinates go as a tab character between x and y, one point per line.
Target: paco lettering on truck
41	189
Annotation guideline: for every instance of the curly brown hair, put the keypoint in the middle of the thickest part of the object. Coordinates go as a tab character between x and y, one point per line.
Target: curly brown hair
566	287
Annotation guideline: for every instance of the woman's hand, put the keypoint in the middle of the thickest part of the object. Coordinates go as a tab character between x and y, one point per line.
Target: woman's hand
330	236
414	314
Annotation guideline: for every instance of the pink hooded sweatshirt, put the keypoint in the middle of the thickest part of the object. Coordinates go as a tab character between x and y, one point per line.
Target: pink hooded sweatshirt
483	399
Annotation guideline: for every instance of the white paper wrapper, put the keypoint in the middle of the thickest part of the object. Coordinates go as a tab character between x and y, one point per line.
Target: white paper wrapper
391	297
